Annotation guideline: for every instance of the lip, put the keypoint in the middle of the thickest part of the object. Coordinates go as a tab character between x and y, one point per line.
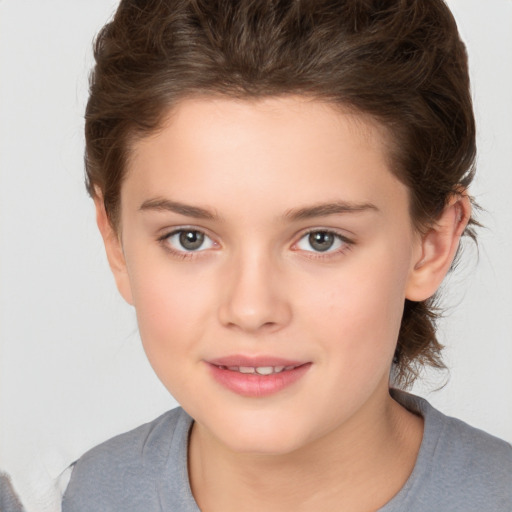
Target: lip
252	384
240	360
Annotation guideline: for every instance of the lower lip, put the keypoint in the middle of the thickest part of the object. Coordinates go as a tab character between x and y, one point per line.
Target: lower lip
254	385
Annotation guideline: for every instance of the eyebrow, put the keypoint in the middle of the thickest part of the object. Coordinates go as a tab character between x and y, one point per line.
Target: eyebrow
335	208
308	212
177	207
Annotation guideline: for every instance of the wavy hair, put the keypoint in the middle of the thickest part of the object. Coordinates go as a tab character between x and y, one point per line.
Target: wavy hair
400	61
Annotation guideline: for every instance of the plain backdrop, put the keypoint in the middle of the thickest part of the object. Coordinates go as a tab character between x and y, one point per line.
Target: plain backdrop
72	371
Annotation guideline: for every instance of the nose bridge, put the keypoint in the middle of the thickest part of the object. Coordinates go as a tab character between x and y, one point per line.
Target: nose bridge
254	298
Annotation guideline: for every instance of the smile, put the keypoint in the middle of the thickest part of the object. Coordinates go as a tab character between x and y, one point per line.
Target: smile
257	380
260	370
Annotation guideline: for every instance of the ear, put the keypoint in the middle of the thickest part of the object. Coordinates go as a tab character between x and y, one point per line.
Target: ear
437	248
114	250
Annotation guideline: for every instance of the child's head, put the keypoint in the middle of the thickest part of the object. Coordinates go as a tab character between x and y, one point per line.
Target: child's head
399	66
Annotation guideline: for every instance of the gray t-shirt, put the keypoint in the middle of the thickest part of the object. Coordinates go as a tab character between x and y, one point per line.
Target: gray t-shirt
458	469
9	501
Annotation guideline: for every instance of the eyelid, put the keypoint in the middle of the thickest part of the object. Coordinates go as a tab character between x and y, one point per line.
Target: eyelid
175	230
347	242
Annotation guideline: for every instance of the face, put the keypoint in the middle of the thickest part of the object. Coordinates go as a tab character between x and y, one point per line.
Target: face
267	249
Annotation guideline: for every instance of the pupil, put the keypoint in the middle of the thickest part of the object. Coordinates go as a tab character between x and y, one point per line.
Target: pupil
321	240
191	240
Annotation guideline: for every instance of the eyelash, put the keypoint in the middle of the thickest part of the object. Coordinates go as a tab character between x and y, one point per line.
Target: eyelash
182	254
346	243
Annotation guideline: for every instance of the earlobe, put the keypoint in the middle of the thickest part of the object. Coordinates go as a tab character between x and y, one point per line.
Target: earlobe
114	250
437	249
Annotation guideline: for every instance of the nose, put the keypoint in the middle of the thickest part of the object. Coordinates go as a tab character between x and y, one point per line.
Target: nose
254	296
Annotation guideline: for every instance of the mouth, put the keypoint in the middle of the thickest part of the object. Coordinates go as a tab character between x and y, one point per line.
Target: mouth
257	377
259	370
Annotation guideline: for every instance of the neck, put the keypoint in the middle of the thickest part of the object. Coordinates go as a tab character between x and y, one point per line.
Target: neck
332	473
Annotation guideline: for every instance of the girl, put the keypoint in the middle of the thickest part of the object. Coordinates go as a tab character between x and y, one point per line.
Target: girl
281	187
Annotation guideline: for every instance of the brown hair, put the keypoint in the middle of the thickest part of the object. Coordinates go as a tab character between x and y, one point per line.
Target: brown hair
400	61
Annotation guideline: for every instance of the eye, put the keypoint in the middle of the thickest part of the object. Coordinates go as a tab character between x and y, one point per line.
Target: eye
322	241
188	240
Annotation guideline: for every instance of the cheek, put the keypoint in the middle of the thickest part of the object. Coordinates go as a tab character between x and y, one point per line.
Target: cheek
359	308
173	309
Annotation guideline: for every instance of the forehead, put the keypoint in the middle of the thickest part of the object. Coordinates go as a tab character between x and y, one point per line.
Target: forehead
284	151
215	117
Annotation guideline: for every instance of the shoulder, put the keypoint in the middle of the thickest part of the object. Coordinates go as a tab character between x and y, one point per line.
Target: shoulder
478	461
459	467
9	501
123	472
473	446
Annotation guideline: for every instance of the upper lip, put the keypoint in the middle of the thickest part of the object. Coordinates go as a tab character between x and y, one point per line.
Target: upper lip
254	361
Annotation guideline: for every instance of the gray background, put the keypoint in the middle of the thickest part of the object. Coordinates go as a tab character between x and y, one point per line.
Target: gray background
72	372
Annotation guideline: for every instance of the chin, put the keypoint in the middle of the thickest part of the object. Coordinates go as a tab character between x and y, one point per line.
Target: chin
263	436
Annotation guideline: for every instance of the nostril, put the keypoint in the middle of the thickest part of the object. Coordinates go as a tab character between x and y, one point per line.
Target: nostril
251	299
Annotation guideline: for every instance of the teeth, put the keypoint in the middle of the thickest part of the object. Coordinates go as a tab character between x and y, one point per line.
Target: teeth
260	370
247	369
264	370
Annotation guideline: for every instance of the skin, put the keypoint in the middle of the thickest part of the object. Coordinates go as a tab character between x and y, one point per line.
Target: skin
258	287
